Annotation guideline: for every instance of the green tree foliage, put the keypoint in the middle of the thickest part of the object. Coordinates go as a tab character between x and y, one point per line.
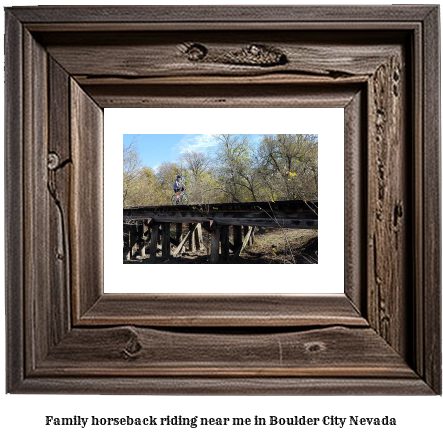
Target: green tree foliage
131	167
280	167
144	189
166	174
140	184
196	163
288	166
200	179
236	171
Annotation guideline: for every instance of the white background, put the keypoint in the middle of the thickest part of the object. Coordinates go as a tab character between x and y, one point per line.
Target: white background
328	123
24	414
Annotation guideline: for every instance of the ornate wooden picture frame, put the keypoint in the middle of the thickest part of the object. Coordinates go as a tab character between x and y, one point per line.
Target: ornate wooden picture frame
65	64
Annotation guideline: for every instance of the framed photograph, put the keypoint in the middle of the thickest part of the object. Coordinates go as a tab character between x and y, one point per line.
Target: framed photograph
378	332
254	195
280	200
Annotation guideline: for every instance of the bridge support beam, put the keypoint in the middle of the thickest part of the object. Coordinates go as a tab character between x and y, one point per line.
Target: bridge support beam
133	240
126	239
216	219
191	240
215	243
146	236
166	242
224	240
154	238
248	234
198	237
184	240
140	241
179	233
242	247
237	237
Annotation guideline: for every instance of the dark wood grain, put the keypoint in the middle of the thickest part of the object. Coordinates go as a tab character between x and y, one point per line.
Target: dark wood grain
86	227
166	55
355	192
64	65
431	316
59	167
226	386
417	357
37	203
166	240
388	204
129	351
154	237
251	310
223	14
226	96
14	239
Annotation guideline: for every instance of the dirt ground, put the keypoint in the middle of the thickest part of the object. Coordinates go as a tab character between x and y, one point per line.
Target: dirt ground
271	245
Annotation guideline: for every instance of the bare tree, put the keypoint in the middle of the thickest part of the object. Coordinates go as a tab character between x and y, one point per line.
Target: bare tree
235	167
283	166
131	166
289	165
196	162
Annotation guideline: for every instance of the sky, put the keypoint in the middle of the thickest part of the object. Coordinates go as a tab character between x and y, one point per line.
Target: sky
154	149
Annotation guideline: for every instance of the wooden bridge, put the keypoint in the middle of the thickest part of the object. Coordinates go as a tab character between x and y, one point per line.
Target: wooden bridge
149	228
